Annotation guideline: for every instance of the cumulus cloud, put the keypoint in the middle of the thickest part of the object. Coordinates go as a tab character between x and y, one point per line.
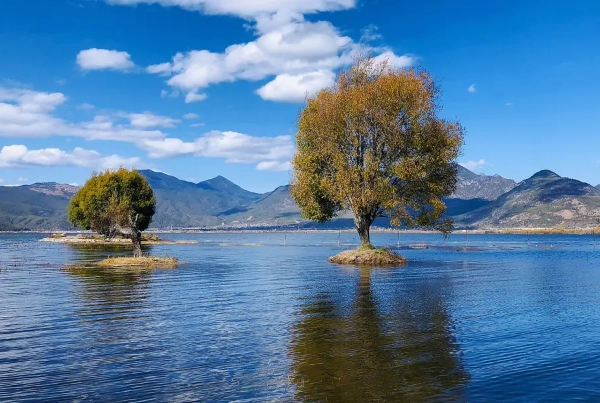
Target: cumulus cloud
299	56
249	9
234	147
194	97
295	49
28	113
395	61
148	120
474	165
20	156
86	107
274	166
472	89
104	59
295	88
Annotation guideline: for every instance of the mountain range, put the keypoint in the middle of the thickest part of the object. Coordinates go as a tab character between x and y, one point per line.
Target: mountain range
480	201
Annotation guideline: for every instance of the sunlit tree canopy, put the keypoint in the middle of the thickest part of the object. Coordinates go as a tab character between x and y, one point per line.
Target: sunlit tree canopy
375	145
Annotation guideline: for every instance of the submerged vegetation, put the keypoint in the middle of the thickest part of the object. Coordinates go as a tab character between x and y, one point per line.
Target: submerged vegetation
124	262
152	262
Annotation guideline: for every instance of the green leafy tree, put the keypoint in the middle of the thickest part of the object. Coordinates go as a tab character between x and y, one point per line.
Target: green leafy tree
374	144
115	203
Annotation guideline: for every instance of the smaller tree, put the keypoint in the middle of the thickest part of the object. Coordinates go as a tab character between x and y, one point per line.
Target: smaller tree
115	203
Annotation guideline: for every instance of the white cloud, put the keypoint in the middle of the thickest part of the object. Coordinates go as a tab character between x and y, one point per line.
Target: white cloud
289	50
250	9
27	113
148	120
86	107
167	94
22	179
1	180
20	156
369	34
508	104
191	116
474	165
397	62
234	147
104	59
274	166
197	124
162	68
194	97
472	89
295	88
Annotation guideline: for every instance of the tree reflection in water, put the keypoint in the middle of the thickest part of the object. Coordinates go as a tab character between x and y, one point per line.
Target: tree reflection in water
408	355
108	293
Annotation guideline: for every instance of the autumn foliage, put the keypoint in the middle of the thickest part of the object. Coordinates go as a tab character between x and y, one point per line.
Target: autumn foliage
115	203
375	145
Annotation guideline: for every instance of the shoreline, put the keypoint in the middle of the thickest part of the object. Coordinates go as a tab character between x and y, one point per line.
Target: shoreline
82	239
491	231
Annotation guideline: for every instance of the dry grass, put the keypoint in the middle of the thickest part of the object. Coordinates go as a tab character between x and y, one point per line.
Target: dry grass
100	240
368	257
145	262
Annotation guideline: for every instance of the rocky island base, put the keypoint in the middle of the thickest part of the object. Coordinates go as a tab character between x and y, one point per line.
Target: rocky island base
368	256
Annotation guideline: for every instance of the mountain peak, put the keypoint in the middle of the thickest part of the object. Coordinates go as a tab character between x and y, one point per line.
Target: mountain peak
464	173
222	184
545	174
218	179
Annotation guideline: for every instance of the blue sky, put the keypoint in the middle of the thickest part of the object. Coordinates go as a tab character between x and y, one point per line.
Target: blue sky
200	88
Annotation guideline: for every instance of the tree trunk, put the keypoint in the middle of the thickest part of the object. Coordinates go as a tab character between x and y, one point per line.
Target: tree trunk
363	226
136	238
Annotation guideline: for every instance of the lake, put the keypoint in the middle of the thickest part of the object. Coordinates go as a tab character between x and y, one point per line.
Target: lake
491	318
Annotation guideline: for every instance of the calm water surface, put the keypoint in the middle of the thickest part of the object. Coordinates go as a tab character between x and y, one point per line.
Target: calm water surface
249	320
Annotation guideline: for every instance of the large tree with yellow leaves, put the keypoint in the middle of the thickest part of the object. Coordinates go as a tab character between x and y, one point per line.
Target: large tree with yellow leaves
375	145
115	203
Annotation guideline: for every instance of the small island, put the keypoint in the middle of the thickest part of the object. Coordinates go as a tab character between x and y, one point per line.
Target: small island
118	206
368	256
91	239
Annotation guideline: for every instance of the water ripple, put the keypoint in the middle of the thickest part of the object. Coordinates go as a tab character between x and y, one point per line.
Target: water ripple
496	318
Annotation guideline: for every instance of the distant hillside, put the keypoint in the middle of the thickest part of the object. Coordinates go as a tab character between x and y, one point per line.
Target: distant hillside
544	200
274	208
186	204
54	189
473	186
22	208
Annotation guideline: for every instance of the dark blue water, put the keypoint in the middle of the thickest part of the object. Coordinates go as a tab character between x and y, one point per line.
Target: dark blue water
249	320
